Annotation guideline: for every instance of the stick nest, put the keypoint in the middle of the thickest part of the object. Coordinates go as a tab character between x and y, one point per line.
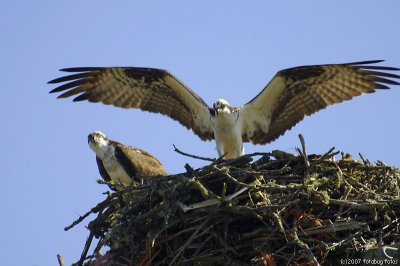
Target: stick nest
269	209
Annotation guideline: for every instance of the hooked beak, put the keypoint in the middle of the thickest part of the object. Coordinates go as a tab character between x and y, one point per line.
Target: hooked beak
215	109
90	138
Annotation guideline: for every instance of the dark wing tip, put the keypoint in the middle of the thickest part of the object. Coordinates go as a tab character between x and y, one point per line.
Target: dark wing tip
81	69
364	65
380	68
365	62
53	90
82	76
377	72
386	81
73	77
69	86
83	72
82	97
380	86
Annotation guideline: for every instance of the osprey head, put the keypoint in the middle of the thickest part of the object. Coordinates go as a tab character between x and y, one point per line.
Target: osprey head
221	106
97	140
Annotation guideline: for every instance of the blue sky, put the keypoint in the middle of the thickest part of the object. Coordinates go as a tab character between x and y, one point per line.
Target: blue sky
221	49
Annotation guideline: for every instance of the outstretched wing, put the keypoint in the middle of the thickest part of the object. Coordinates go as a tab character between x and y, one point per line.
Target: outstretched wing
297	92
148	89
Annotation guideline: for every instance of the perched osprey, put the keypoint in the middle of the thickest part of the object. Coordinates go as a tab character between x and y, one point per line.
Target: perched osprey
290	96
120	163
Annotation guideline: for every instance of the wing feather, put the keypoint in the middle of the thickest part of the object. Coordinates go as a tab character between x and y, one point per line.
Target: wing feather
301	91
137	162
148	89
102	170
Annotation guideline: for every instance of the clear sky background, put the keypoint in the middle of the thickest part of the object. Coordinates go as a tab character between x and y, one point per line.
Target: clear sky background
221	49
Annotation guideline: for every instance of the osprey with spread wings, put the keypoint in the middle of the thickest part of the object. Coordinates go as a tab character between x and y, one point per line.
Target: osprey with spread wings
290	96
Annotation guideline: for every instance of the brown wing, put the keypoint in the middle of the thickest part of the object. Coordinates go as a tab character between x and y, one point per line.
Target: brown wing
102	170
148	89
297	92
137	162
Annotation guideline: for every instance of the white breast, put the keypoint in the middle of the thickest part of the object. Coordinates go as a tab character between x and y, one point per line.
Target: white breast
228	135
112	166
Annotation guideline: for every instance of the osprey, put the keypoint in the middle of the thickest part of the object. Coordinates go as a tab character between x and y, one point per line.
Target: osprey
122	164
291	95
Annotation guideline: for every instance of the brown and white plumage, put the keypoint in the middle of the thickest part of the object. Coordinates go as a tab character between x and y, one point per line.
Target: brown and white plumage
148	89
301	91
122	164
290	96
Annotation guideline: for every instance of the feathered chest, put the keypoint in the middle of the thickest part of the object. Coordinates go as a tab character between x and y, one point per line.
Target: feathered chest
226	124
113	167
